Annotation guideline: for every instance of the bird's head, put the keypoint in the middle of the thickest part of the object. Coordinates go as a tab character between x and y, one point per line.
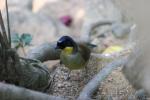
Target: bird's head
66	43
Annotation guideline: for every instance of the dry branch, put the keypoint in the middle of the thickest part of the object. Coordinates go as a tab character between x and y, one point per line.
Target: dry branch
11	92
88	28
92	86
44	52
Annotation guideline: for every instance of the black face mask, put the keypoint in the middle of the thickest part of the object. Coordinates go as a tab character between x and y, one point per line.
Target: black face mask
65	41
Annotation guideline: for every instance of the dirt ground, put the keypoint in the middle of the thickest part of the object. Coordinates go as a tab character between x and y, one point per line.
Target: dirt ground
115	85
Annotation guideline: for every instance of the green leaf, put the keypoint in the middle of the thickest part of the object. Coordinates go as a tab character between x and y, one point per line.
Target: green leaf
113	49
26	38
17	46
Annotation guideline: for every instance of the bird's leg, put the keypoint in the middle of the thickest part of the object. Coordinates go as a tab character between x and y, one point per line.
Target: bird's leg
86	71
68	75
60	62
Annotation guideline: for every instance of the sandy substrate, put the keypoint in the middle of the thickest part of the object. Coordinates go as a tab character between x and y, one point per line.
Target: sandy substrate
116	84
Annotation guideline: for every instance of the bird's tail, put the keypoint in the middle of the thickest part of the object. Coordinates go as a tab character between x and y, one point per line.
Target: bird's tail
91	46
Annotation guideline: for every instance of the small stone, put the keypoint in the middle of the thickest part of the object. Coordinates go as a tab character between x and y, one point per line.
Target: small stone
110	79
60	85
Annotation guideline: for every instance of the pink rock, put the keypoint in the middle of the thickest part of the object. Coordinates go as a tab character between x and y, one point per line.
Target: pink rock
66	20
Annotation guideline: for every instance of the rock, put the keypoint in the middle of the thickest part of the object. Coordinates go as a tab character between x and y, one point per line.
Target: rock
42	29
26	4
38	4
121	30
37	25
59	8
17	4
103	12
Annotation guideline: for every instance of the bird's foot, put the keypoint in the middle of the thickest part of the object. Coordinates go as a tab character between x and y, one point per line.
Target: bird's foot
68	76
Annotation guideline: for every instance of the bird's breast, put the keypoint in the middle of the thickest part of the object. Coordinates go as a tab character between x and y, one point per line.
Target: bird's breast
73	61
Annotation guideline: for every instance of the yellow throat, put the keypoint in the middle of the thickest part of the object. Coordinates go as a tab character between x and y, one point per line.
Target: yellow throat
68	50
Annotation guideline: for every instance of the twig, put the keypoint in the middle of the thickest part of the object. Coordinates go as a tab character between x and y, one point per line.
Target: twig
92	86
87	28
8	26
1	41
11	92
3	34
2	25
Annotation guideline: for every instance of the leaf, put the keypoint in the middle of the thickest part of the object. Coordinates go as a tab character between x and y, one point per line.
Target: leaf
15	38
113	49
17	46
26	38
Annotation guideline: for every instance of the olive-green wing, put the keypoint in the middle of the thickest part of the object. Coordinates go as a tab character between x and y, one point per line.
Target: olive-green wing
85	51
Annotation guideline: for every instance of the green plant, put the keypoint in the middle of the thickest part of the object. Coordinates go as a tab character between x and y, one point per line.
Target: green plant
20	41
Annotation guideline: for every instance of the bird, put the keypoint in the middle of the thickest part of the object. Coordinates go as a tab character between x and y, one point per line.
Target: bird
73	55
